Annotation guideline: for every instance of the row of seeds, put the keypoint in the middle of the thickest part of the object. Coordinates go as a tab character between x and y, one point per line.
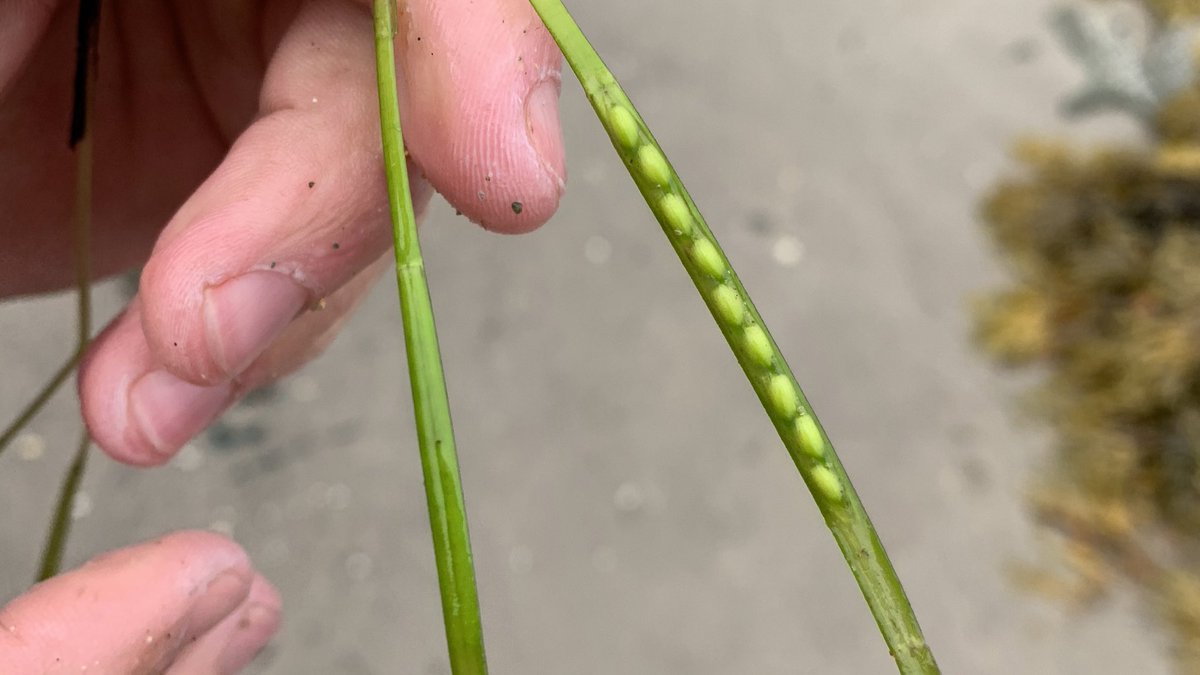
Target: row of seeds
730	308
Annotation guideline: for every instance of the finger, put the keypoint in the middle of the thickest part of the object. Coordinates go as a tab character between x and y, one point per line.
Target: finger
135	410
130	611
295	210
234	642
141	414
22	25
308	336
480	84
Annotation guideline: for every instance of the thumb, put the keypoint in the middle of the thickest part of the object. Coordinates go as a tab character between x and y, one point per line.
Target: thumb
480	84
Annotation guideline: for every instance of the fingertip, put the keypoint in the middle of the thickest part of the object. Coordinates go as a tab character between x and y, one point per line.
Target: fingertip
544	129
234	642
264	593
217	549
257	623
193	257
165	412
523	191
482	106
137	412
244	315
116	356
129	610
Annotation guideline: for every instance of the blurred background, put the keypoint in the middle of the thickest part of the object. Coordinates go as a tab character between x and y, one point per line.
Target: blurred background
631	509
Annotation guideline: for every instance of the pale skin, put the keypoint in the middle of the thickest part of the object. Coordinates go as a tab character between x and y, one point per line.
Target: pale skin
237	160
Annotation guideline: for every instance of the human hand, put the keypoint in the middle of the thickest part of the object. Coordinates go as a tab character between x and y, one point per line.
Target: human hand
188	603
256	124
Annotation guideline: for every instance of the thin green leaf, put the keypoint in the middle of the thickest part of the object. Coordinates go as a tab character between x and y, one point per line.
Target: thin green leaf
82	118
750	341
60	523
431	405
40	400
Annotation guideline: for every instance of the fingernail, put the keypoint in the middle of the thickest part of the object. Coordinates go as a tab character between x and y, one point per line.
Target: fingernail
221	595
544	129
170	411
243	316
255	628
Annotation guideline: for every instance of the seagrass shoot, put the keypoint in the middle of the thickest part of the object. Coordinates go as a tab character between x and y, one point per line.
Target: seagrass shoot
703	260
749	339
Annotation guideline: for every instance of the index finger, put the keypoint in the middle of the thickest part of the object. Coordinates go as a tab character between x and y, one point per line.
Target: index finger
129	611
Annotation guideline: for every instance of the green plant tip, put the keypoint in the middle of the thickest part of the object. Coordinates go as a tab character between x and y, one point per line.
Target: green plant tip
676	213
729	305
782	395
756	352
811	442
708	259
624	127
827	483
758	346
653	165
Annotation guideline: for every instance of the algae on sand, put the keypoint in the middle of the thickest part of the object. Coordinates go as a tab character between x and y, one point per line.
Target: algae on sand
1104	249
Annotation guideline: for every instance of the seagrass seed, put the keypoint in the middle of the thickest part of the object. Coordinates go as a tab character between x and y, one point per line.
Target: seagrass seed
758	346
677	214
730	309
809	437
708	259
653	165
827	484
781	394
624	126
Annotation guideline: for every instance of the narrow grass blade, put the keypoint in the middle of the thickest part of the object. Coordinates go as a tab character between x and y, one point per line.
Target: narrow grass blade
750	341
83	107
86	73
431	405
60	523
82	117
39	400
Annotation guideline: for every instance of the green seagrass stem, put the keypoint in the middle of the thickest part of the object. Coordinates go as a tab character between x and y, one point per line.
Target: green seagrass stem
39	400
60	522
431	405
81	135
751	342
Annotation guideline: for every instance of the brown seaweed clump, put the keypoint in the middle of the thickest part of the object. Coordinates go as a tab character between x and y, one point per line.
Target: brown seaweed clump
1104	248
1173	10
